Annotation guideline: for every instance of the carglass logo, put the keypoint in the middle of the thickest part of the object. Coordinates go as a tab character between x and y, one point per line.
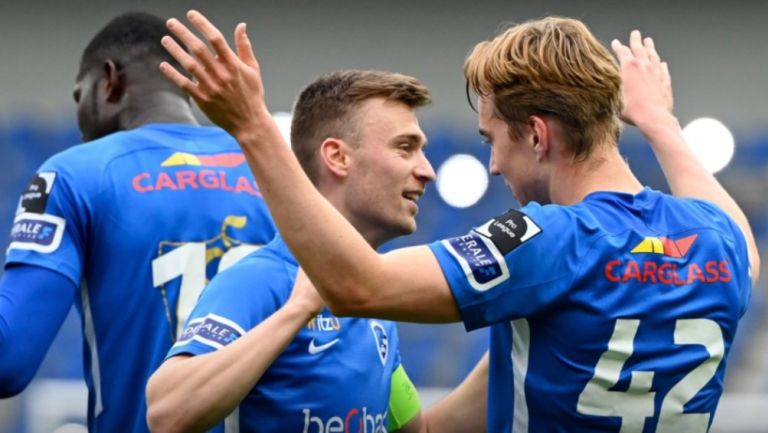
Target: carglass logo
354	421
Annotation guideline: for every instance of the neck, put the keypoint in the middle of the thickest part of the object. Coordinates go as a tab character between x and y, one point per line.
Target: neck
156	107
373	235
605	170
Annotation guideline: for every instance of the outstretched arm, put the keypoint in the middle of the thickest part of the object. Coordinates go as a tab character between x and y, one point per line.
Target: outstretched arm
350	275
647	92
194	393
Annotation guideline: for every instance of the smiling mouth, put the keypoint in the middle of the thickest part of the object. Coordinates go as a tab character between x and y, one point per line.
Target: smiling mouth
412	195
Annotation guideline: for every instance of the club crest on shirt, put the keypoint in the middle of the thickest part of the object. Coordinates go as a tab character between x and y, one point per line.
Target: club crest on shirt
381	339
35	196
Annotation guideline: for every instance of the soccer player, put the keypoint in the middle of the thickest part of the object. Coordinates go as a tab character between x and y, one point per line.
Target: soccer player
612	306
128	226
281	359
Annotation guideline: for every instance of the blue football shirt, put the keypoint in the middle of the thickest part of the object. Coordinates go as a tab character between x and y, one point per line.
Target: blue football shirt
140	220
334	376
612	315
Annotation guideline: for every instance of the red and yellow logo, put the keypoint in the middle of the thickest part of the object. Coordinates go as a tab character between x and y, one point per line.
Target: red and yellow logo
206	178
666	271
665	246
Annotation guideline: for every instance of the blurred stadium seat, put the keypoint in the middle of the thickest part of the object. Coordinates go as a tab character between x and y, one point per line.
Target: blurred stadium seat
435	356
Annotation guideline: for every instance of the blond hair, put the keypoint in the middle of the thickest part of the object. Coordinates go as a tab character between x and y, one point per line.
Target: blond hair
552	66
327	108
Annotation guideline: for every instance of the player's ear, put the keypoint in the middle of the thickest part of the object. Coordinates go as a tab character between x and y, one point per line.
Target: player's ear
335	156
540	136
114	81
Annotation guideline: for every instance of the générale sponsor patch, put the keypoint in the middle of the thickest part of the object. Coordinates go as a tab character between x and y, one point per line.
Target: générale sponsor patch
212	330
37	232
481	252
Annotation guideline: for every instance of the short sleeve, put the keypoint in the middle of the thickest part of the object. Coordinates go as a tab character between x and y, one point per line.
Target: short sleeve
52	218
514	265
235	301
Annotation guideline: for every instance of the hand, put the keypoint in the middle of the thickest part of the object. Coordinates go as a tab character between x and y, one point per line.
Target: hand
305	294
227	86
646	84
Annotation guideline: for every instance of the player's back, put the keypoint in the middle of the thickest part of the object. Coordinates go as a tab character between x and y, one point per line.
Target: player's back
617	317
144	218
638	342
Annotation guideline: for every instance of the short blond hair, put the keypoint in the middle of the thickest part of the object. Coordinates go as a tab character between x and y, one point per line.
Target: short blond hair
551	66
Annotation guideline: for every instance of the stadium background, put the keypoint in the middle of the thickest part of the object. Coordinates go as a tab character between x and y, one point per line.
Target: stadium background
717	53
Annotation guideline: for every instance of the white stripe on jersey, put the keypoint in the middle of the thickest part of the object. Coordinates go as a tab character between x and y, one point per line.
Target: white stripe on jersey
90	338
521	345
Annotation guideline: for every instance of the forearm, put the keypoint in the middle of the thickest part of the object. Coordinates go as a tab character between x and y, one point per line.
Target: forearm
464	409
193	394
688	178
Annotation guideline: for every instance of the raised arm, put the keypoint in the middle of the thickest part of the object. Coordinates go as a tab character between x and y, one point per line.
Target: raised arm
350	275
647	92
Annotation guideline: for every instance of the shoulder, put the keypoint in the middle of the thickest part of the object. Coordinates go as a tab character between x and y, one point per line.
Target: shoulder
265	272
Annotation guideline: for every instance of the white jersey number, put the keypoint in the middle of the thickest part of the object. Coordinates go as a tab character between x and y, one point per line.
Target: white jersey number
637	403
189	262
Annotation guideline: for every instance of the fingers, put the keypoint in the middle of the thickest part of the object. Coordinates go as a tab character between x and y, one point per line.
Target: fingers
653	56
212	34
179	79
666	77
622	52
244	48
636	44
186	61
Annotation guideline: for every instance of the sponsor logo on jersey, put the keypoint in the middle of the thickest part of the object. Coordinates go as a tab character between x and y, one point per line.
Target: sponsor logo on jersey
481	252
212	330
381	339
323	323
194	178
315	349
354	421
668	271
35	196
37	232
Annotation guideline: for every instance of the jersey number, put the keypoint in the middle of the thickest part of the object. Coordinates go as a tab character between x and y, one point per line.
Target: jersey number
637	403
189	262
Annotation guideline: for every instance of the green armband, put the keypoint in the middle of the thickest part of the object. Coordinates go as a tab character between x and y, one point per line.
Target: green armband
404	403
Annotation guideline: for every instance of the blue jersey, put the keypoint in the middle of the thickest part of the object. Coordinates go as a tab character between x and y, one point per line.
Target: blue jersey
139	220
612	315
335	375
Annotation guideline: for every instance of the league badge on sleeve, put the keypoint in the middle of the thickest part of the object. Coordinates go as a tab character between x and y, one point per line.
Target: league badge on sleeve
481	252
35	197
509	231
33	229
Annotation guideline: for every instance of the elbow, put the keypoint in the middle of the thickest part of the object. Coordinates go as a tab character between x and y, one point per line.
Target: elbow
162	418
163	415
349	303
14	378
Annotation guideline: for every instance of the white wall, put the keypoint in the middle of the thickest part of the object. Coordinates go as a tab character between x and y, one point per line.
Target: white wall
717	49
